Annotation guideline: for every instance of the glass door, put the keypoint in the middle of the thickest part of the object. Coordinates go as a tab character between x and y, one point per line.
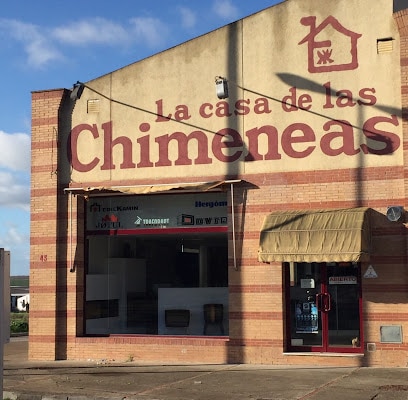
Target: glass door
324	307
305	318
344	316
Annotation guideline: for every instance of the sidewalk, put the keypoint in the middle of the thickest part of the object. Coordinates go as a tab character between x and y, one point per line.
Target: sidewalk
25	380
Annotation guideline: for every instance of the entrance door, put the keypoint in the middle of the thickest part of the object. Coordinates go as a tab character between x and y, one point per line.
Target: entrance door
324	307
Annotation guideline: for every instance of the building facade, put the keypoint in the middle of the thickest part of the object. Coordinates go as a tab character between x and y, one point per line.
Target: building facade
239	198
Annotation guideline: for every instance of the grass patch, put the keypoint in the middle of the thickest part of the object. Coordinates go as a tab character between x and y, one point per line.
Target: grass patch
19	322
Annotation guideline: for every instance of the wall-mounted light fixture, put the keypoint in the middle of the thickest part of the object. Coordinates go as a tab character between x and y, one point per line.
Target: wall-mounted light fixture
77	90
221	87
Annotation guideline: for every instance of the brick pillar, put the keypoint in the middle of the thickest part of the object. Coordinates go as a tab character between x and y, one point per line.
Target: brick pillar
44	224
401	18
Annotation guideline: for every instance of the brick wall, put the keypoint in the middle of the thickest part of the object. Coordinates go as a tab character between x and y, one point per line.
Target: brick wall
257	310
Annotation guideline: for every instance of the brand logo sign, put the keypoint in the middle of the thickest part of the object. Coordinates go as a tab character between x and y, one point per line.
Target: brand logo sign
322	55
108	216
156	212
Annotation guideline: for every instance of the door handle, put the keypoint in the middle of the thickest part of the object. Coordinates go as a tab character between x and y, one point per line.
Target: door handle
319	301
323	302
327	302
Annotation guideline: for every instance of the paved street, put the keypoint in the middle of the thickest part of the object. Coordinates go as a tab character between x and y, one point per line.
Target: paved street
99	380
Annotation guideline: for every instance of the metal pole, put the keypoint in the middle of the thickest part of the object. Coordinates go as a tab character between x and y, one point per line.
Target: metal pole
2	317
4	308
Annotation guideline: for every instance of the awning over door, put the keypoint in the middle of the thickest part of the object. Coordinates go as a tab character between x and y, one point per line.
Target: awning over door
149	189
316	236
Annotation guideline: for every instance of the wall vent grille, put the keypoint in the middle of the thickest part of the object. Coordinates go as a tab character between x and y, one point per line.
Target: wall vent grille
93	106
384	45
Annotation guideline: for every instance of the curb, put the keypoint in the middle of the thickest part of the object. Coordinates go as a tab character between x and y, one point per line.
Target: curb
25	396
18	334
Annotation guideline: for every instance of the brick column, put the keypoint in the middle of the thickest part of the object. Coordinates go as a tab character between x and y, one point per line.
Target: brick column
44	224
401	18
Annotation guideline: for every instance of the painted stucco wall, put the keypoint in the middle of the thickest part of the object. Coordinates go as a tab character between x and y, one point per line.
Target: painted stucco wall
298	53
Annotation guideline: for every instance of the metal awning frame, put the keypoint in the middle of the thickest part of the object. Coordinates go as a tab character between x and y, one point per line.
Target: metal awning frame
183	187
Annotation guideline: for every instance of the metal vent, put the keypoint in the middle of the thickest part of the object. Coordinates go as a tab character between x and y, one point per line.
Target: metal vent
93	106
384	45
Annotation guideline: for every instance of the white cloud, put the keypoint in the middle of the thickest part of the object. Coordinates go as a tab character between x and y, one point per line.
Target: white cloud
15	151
43	46
40	51
149	30
15	237
15	156
188	17
12	193
91	31
225	9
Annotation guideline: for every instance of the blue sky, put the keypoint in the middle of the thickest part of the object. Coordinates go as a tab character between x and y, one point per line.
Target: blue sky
52	44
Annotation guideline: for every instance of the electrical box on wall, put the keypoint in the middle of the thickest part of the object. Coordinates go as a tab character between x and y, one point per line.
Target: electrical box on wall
371	347
391	333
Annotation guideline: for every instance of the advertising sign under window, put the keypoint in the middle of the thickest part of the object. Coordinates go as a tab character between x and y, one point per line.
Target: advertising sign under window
157	212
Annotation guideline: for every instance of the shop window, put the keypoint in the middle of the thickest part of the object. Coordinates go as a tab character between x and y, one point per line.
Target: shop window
133	280
102	309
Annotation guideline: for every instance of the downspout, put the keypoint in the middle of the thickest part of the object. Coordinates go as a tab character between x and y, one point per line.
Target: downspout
71	267
234	247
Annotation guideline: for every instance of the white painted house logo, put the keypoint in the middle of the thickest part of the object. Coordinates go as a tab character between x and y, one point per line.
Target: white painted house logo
326	44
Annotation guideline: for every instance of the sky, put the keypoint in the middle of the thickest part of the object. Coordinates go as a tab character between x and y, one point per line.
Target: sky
51	44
